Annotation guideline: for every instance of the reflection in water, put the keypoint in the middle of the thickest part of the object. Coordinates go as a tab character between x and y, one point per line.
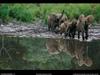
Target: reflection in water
54	46
76	49
11	54
49	54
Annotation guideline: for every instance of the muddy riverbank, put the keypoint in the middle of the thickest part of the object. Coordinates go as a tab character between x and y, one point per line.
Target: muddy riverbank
40	30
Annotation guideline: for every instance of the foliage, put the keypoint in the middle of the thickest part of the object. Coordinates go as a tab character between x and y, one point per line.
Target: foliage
30	12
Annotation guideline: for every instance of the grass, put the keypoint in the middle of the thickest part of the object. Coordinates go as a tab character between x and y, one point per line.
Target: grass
30	12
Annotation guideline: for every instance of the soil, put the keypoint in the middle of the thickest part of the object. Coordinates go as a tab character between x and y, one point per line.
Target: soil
38	29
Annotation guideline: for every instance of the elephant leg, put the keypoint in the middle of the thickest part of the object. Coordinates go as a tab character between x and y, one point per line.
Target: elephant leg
86	32
49	27
73	35
66	33
83	35
78	34
74	32
52	28
70	34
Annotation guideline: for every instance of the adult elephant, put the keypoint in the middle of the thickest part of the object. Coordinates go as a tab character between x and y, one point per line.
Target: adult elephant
55	19
83	25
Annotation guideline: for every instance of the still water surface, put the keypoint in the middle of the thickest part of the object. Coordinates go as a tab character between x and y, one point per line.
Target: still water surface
48	54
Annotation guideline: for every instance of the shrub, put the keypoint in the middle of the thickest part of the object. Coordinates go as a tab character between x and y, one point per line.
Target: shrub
4	12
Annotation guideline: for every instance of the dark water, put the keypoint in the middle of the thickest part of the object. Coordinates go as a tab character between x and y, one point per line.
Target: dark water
50	54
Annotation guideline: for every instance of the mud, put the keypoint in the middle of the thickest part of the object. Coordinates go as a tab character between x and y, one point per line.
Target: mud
39	30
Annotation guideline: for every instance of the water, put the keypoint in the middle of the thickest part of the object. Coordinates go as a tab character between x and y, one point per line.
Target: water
48	54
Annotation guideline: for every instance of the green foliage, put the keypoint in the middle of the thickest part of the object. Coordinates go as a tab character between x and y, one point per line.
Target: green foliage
4	12
97	14
29	12
21	13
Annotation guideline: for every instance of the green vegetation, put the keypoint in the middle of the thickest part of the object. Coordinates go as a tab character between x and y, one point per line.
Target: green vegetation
30	12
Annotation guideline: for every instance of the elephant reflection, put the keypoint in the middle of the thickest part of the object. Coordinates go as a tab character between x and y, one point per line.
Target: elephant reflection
79	51
76	49
54	46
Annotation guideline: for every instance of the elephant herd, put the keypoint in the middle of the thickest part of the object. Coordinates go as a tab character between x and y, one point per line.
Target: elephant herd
59	23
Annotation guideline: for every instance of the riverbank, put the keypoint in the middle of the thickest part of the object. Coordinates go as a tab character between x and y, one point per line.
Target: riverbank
37	29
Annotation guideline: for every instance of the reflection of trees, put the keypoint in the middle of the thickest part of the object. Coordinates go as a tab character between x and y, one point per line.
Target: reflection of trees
76	49
16	52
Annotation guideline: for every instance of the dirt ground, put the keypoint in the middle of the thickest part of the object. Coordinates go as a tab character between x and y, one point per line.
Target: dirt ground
39	30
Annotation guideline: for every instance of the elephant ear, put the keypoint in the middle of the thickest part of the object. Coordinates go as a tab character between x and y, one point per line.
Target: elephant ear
90	18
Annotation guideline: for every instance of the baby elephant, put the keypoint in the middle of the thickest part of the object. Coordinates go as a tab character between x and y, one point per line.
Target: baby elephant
71	29
68	28
63	27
